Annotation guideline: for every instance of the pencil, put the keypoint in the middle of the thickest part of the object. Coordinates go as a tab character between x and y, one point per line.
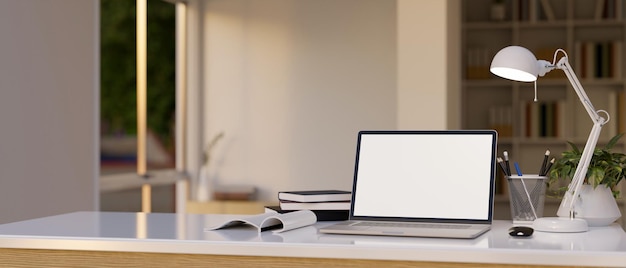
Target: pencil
545	173
544	163
506	162
501	164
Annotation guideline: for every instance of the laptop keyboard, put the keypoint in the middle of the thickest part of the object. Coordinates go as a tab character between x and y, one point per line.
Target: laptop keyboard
413	225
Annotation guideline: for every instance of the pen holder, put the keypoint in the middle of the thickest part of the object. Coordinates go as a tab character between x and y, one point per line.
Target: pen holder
526	195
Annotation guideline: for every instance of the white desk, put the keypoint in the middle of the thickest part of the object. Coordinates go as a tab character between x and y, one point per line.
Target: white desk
137	239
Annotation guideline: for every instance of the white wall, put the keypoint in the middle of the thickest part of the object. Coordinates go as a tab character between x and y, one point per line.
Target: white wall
429	64
291	82
49	83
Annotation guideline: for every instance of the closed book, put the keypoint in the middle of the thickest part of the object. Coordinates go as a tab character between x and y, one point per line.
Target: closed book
322	215
314	196
334	205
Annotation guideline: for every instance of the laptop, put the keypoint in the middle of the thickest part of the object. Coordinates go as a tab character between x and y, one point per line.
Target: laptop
425	183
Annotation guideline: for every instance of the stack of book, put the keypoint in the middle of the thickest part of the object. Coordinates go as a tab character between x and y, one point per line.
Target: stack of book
328	205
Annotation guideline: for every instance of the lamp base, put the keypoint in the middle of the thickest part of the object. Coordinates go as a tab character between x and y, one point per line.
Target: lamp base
560	225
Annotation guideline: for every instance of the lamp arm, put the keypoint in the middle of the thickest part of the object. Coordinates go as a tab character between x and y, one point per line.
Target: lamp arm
573	188
564	65
569	199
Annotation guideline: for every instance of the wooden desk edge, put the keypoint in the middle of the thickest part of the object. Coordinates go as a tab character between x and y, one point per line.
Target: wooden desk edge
78	258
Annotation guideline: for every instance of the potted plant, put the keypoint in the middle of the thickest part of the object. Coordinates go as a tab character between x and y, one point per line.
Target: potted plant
605	171
204	185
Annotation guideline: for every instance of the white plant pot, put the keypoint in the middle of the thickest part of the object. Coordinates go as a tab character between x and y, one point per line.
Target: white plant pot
597	206
203	191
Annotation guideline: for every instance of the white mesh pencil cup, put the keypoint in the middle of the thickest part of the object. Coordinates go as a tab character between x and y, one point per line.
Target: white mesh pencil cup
526	196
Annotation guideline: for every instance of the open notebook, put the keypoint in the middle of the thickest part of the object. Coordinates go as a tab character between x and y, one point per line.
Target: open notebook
422	183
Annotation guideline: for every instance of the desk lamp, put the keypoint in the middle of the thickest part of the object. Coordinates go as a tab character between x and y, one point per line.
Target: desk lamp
519	64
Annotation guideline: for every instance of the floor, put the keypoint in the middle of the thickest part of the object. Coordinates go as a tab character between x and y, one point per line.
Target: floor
120	189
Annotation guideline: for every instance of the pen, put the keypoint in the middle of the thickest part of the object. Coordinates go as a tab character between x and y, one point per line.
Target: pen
519	171
501	164
545	173
544	163
506	161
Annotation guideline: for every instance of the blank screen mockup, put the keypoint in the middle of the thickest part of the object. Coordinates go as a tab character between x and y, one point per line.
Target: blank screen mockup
437	176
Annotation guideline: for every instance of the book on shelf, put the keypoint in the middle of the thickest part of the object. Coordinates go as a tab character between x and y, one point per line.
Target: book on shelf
322	215
615	109
500	120
598	60
608	9
478	61
332	205
502	183
314	196
547	10
535	10
276	222
603	98
543	119
621	112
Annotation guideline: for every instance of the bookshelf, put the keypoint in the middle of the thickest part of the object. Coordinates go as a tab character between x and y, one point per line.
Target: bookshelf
593	35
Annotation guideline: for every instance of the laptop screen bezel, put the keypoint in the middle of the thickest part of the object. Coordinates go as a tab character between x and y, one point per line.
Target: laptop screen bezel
491	133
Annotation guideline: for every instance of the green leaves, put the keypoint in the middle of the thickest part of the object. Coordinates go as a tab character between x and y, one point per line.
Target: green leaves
595	175
605	167
118	68
612	142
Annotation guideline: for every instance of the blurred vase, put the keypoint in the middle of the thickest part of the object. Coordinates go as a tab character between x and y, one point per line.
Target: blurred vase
203	193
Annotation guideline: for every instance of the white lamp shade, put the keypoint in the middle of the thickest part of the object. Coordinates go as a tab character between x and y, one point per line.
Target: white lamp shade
515	63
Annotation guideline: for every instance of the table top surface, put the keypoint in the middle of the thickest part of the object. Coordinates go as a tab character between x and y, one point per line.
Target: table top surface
185	233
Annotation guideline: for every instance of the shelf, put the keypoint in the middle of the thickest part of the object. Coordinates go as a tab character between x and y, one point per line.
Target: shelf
547	141
495	82
487	82
601	82
505	140
487	25
543	24
598	23
595	48
541	141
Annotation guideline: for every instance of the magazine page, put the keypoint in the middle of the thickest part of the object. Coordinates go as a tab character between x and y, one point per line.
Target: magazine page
254	220
299	235
289	221
271	221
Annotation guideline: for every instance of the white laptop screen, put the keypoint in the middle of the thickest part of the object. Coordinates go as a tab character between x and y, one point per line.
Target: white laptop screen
425	175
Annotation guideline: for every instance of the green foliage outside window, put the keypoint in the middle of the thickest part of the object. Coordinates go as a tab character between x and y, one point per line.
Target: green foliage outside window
118	68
